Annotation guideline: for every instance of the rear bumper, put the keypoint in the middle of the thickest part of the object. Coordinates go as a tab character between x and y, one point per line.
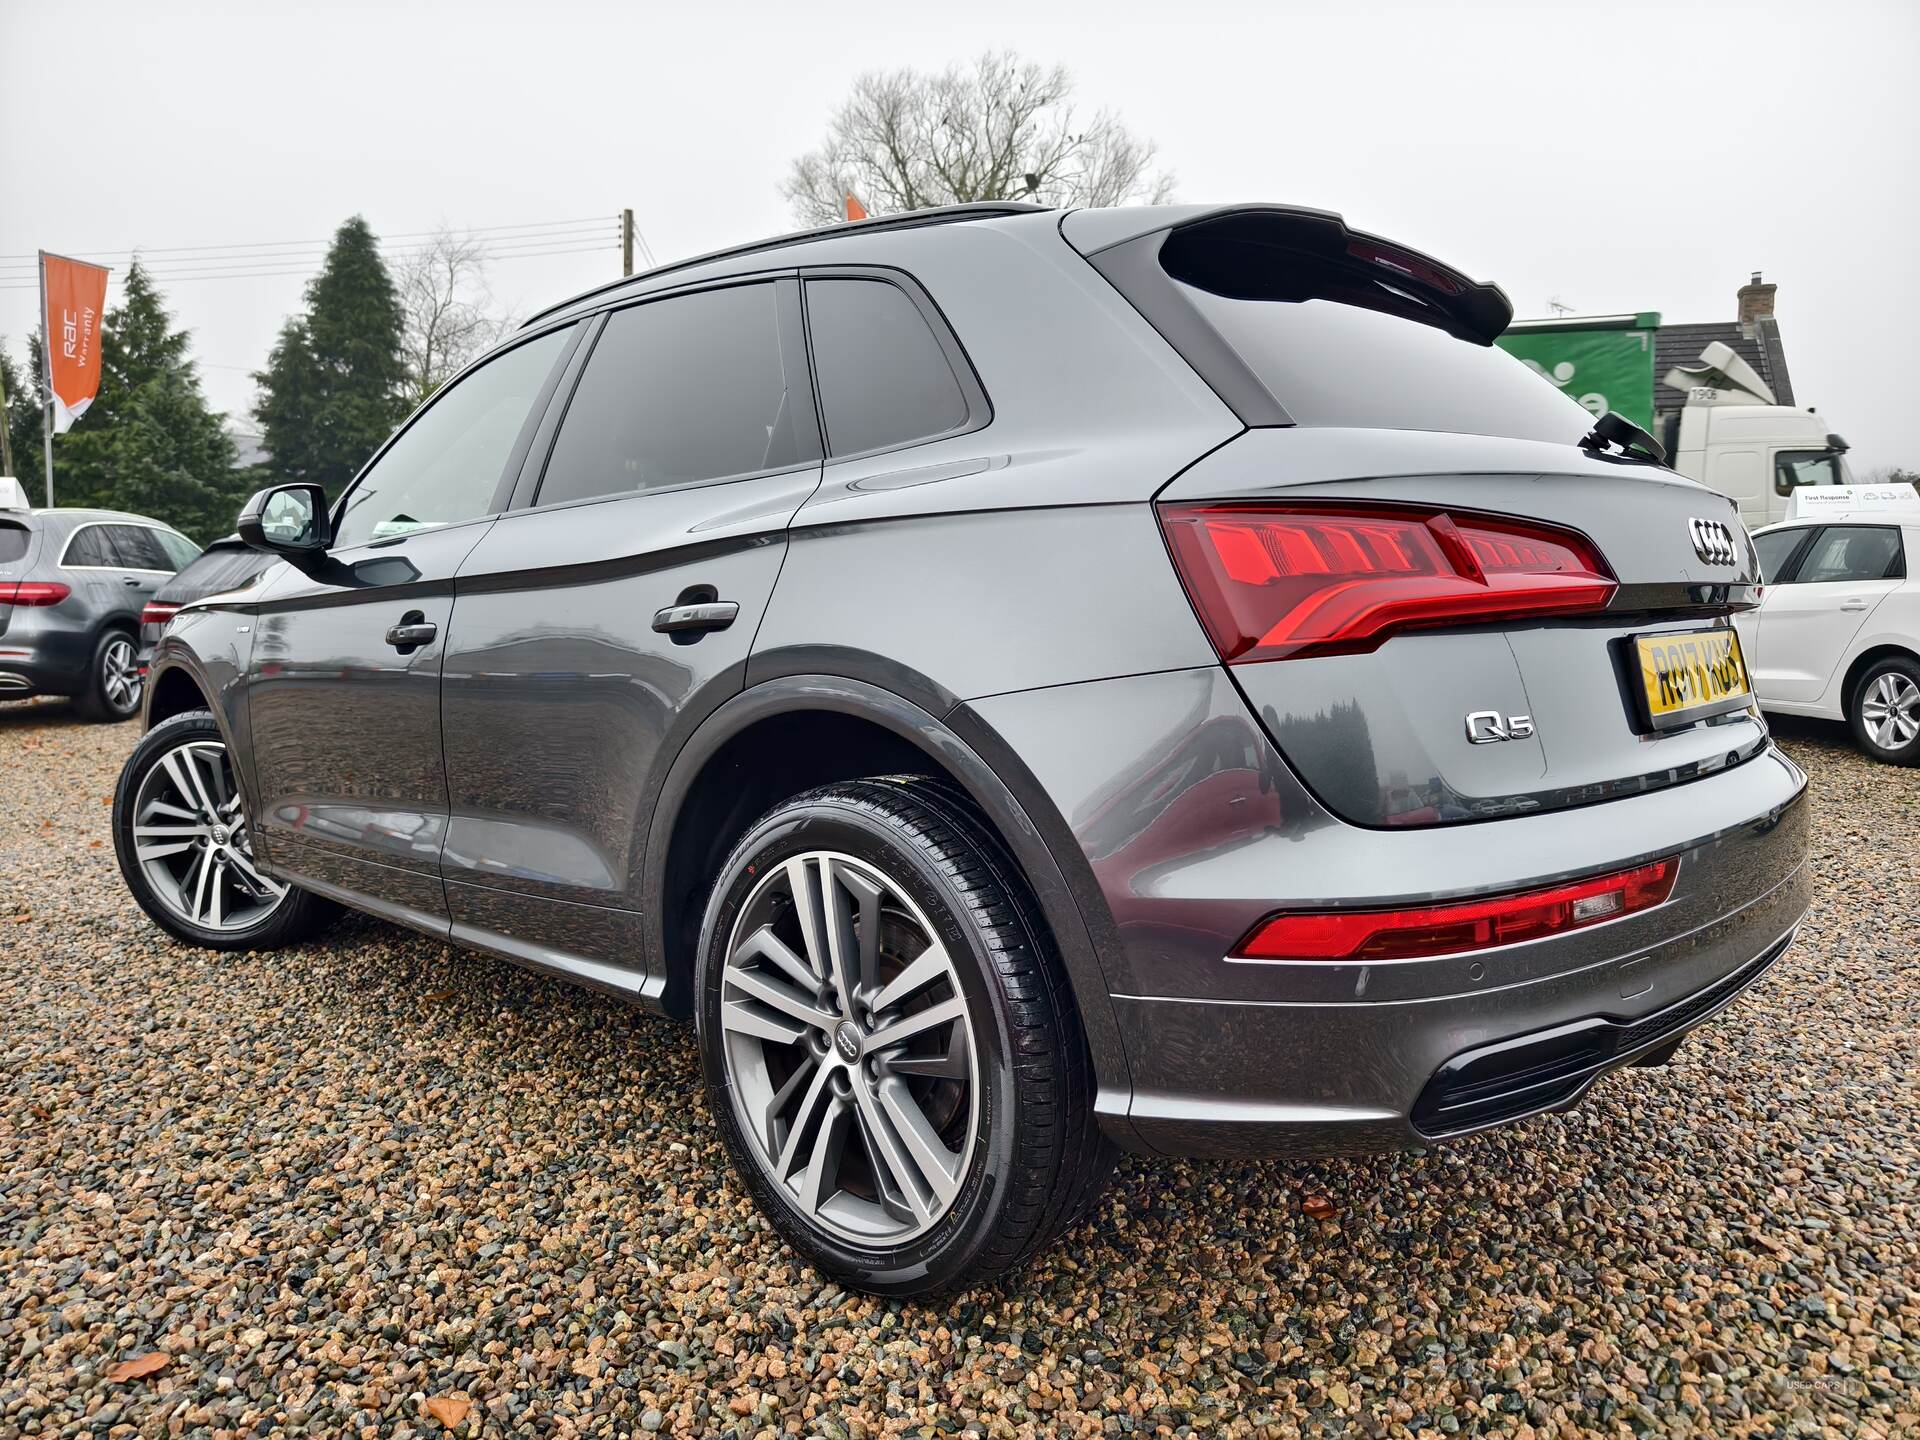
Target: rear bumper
41	658
1192	829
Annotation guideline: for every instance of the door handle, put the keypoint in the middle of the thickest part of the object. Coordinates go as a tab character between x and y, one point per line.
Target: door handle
1854	604
413	631
129	579
708	615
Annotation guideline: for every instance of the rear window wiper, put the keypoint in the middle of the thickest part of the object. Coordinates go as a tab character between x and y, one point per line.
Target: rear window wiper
1615	429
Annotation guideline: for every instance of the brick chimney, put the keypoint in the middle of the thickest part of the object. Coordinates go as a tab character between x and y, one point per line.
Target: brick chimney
1756	301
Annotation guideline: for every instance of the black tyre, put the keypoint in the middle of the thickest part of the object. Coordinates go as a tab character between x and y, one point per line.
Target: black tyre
1885	711
185	849
892	1052
113	685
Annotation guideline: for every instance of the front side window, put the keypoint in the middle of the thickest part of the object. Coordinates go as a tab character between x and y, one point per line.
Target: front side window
679	391
445	467
1793	468
1852	552
1775	549
884	380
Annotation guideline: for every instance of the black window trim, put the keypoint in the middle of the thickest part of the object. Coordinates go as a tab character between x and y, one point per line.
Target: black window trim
85	525
973	393
1790	566
793	358
509	472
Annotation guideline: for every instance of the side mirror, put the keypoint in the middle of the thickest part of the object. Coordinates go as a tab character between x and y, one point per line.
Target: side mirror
289	520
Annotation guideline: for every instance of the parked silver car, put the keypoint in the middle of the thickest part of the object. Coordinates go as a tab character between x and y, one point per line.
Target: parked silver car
1023	683
73	584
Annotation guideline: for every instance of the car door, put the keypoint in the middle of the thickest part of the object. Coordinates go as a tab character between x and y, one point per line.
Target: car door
1810	617
343	684
614	609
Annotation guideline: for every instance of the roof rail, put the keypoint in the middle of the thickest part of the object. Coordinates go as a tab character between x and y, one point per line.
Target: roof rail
905	220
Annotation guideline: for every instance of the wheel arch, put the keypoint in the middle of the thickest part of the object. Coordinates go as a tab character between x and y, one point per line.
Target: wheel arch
172	691
1862	662
743	759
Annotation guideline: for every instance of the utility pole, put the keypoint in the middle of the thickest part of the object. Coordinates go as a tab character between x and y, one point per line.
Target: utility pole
626	241
6	440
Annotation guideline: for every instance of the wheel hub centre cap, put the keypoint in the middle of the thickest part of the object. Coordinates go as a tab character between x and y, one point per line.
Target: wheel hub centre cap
846	1039
219	834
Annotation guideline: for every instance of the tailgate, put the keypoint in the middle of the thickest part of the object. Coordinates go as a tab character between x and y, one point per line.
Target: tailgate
1385	735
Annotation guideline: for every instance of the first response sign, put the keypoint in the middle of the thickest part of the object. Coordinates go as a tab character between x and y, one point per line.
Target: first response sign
73	294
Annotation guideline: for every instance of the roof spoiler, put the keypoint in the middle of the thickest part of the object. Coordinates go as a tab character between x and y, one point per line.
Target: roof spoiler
1282	252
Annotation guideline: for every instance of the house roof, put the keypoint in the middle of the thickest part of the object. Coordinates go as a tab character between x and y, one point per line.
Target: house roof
1681	345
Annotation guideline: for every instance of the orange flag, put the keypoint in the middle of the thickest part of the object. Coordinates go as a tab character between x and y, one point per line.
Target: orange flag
855	210
72	293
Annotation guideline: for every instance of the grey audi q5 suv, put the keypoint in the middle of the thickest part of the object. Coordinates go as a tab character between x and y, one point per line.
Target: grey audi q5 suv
1024	683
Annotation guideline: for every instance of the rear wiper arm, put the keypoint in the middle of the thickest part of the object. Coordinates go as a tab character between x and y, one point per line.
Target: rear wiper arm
1613	428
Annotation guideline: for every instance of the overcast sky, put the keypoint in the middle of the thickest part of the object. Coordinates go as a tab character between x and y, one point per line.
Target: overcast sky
1612	157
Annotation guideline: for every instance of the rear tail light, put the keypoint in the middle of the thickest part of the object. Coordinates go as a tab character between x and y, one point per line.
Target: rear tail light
158	612
1273	581
32	592
1461	925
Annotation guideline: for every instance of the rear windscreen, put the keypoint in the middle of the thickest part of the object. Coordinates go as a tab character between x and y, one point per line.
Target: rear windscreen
13	542
213	572
1330	363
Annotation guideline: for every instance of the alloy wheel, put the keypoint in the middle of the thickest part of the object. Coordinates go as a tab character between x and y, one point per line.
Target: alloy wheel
849	1049
190	839
120	676
1890	710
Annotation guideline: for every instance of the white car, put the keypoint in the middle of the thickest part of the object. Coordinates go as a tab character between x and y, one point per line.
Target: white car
1837	632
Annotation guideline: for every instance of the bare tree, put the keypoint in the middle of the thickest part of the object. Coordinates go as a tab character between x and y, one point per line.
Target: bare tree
1000	129
448	310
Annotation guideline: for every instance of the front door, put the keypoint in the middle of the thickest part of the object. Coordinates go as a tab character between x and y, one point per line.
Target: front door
1809	619
344	681
618	606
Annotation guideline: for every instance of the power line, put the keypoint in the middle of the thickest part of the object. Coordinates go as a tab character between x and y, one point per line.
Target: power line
31	256
308	270
501	245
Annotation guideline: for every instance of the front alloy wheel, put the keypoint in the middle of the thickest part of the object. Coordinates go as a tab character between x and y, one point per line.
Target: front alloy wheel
192	844
180	834
891	1049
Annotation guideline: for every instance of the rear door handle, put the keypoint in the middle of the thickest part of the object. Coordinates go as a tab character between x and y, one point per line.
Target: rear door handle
1854	604
413	631
129	579
709	615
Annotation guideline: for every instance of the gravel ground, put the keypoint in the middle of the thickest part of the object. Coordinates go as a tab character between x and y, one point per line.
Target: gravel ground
376	1187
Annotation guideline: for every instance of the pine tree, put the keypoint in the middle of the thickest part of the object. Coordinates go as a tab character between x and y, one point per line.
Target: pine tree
171	457
333	387
25	416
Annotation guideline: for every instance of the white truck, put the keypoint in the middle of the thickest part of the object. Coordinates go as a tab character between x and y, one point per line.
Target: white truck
1733	437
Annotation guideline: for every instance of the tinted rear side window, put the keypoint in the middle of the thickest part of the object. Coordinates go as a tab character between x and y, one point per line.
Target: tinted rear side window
884	379
140	549
91	545
13	543
1330	363
677	391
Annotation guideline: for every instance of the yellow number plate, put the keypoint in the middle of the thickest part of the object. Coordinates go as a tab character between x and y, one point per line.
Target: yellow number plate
1687	676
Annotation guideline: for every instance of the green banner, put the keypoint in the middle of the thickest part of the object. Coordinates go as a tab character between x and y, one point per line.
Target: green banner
1604	364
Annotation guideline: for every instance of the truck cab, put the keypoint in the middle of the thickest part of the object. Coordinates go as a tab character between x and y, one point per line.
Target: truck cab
1734	438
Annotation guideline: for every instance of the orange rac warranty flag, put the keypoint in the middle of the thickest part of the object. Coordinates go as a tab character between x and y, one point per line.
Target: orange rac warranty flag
72	295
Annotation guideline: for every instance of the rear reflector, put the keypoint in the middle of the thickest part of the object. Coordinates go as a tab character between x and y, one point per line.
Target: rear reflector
1461	925
32	592
1273	581
158	612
